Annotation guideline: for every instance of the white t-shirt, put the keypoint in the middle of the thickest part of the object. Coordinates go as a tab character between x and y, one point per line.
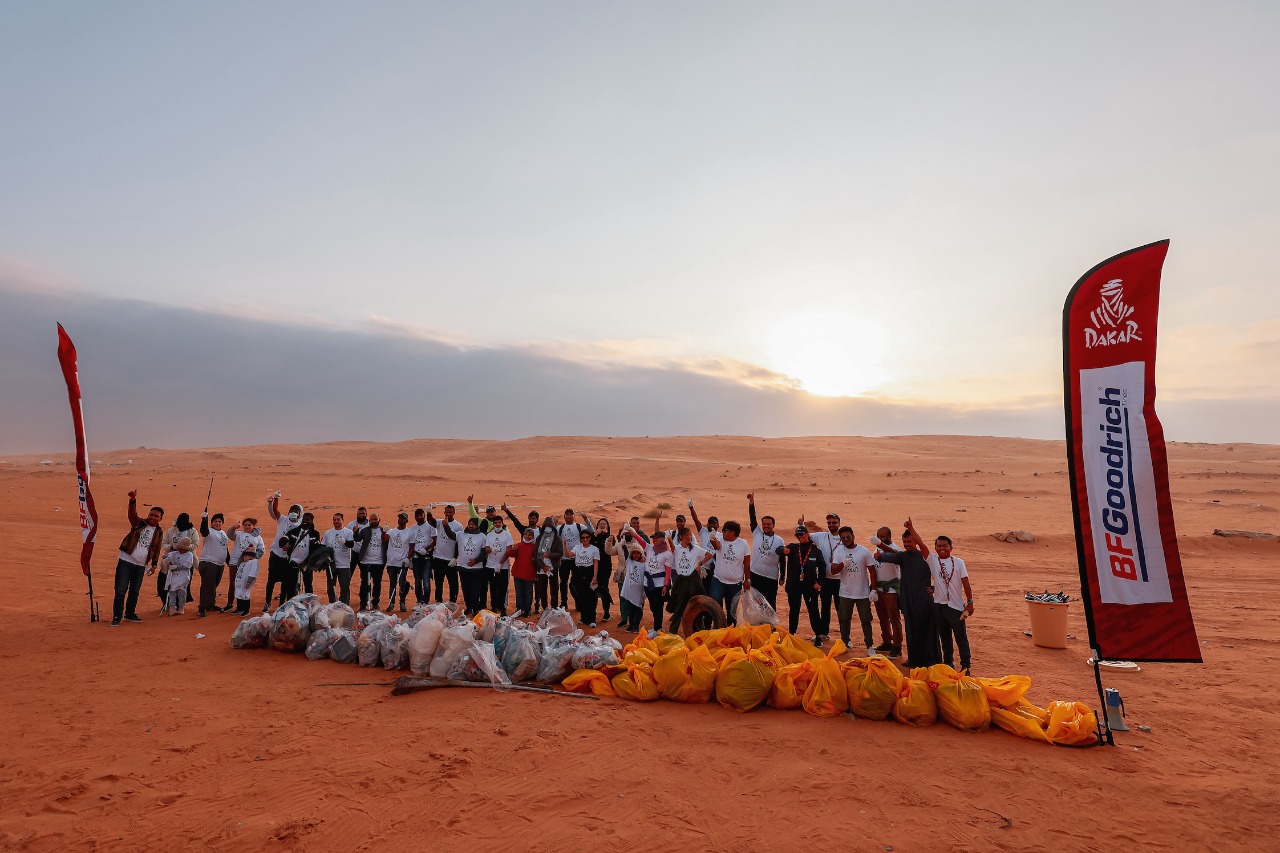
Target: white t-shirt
633	582
731	560
855	581
687	559
888	571
826	542
498	544
469	547
947	588
398	545
139	554
246	542
180	566
340	541
704	537
764	557
569	536
373	551
423	535
446	548
584	557
214	549
655	568
284	526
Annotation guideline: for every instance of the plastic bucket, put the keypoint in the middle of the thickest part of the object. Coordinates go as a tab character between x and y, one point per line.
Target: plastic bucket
1048	624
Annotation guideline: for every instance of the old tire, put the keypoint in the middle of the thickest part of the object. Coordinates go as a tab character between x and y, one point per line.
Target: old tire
702	613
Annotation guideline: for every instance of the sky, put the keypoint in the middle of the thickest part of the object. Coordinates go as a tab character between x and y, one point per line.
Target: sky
626	219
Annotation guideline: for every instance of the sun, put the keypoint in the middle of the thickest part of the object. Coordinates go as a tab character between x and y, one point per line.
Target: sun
830	355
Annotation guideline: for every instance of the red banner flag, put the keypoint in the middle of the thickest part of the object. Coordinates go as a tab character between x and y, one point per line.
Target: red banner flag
88	512
1135	599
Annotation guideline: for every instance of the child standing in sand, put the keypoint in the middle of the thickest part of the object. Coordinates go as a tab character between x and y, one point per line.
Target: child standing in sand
180	564
248	549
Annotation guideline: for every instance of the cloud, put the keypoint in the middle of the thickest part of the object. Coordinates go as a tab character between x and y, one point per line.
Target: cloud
180	376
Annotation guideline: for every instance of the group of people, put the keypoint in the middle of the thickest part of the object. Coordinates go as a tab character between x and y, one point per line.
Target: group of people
557	557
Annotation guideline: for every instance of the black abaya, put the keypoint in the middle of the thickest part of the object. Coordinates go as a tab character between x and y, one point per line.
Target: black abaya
919	628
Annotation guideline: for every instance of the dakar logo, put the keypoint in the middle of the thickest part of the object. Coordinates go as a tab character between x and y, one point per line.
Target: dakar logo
1111	323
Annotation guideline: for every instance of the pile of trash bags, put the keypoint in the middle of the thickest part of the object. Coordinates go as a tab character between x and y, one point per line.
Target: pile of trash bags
746	667
436	641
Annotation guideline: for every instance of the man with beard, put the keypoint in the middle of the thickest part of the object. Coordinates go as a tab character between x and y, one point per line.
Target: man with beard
444	562
768	549
424	542
139	548
399	547
953	600
371	553
916	599
340	539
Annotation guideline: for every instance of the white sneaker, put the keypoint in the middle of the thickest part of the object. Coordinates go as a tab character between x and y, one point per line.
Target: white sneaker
592	625
871	652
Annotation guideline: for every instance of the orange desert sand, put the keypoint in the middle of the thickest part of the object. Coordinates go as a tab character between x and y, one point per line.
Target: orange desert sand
144	736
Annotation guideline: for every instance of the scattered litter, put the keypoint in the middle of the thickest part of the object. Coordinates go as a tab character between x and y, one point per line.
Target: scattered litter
1227	646
199	636
1049	597
1143	728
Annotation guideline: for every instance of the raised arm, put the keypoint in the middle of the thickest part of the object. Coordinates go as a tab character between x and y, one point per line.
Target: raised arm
751	510
471	507
693	513
134	520
273	506
924	549
514	520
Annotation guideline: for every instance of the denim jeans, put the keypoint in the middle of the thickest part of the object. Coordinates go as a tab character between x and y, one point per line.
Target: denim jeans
724	594
128	583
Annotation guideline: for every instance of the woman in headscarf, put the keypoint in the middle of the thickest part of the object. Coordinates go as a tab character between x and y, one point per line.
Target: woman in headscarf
182	528
547	557
605	544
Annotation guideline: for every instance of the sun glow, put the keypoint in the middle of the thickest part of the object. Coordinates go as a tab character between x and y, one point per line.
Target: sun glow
830	355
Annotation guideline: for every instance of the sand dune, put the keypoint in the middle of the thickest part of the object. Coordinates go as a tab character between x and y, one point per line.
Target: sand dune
145	736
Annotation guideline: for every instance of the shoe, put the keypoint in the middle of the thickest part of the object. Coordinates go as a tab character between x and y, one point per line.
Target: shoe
403	609
871	652
895	652
266	611
227	609
132	617
884	647
200	612
181	611
606	616
592	625
115	623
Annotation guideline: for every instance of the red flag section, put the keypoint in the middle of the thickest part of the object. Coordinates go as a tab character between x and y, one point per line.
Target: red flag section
88	512
1130	570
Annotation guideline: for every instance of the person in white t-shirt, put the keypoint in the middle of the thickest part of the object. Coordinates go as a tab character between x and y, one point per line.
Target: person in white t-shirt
631	594
733	567
444	560
371	552
497	565
246	550
399	548
472	551
279	569
339	539
582	582
139	549
767	551
888	582
657	575
688	566
424	542
855	567
213	557
953	600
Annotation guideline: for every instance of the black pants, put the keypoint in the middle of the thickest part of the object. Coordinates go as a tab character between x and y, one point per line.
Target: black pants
499	581
540	584
370	579
561	583
210	577
809	596
584	597
473	589
421	580
397	583
440	569
342	578
128	585
827	597
950	624
277	568
654	597
602	587
768	587
683	588
231	584
524	596
307	581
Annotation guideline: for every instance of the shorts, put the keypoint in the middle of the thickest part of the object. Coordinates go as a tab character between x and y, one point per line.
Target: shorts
891	587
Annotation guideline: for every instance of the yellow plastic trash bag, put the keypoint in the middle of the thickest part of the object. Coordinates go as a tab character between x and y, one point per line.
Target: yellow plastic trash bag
1005	691
636	684
790	684
589	681
664	643
961	700
873	685
686	676
916	705
795	649
1072	724
1022	719
759	635
641	656
711	638
744	680
827	695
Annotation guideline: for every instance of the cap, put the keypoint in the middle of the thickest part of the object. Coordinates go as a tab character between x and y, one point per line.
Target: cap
402	514
800	528
680	517
490	508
